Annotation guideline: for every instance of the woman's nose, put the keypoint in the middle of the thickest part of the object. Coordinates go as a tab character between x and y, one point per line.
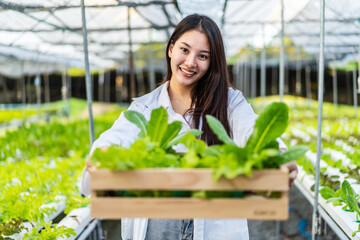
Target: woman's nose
190	60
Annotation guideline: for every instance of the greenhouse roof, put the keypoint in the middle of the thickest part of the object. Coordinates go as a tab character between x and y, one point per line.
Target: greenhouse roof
52	29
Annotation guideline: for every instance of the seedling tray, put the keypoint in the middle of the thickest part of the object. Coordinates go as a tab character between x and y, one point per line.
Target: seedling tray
253	207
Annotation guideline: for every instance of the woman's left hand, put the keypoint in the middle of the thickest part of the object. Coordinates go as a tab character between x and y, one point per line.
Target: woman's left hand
293	171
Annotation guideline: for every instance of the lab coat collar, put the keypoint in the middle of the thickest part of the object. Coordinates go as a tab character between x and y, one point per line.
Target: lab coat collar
158	97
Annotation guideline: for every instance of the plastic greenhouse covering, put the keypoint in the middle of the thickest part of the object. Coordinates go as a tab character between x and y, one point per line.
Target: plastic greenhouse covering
48	30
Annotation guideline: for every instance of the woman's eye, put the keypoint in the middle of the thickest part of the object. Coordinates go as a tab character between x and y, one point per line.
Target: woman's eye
184	50
203	57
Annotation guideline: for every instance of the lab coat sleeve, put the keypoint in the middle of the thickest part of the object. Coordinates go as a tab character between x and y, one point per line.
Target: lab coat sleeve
122	132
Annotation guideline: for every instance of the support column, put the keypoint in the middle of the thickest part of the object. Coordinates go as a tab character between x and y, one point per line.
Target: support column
87	70
274	80
239	76
37	84
246	78
152	80
140	81
107	87
131	61
253	75
282	54
316	225
308	82
64	93
23	90
47	96
354	87
263	74
242	76
101	86
298	75
335	86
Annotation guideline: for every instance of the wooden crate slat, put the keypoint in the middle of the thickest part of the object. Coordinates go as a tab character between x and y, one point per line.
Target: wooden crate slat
170	208
186	179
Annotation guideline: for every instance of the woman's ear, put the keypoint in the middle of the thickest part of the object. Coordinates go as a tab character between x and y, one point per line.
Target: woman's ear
171	47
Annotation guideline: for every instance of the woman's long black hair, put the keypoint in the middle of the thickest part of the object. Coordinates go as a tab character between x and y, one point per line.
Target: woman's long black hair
210	95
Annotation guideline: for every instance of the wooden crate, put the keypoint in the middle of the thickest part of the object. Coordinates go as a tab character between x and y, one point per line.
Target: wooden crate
184	208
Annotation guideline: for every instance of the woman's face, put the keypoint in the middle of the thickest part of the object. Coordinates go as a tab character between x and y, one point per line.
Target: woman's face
190	58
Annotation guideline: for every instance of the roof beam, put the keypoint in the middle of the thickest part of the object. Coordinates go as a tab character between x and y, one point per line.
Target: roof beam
294	21
33	7
103	43
298	34
89	30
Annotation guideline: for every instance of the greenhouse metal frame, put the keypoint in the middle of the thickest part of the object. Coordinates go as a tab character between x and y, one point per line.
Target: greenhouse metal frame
50	36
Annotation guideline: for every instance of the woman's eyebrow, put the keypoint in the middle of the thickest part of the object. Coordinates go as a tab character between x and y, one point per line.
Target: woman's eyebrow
205	51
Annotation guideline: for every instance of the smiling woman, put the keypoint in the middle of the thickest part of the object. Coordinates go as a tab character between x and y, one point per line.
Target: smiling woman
197	84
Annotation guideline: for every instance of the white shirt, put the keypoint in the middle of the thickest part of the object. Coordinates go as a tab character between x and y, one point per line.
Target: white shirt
241	119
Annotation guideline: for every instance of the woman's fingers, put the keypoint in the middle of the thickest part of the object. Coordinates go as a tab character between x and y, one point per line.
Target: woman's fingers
293	171
88	164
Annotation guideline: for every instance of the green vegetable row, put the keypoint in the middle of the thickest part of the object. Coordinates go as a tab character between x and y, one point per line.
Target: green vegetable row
38	163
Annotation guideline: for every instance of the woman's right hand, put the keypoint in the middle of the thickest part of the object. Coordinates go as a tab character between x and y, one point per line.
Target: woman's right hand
88	164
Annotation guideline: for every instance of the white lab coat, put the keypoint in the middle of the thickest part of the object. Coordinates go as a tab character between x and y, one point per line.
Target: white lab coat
242	120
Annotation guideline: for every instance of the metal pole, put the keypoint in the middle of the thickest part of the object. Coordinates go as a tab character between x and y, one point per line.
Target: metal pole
263	67
335	86
47	88
63	87
101	86
235	74
37	83
242	76
287	76
253	75
47	95
131	61
359	63
152	79
308	82
64	93
354	85
281	81
246	77
107	87
274	78
239	75
87	70
23	90
277	230
316	216
298	75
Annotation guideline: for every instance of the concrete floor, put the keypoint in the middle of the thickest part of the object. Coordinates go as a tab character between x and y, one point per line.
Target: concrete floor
297	227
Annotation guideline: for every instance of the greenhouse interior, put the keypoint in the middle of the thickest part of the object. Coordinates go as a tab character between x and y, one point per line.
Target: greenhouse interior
70	68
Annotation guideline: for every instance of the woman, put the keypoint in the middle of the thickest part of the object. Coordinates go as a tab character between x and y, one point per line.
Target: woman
197	83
